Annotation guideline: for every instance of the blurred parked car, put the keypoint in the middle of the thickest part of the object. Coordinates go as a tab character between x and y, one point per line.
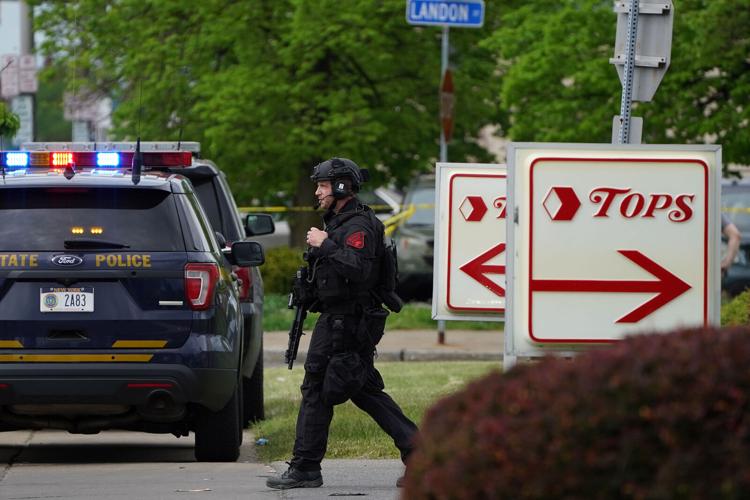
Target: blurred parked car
386	201
735	203
414	238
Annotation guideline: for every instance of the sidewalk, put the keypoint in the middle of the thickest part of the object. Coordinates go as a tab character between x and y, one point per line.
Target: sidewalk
406	345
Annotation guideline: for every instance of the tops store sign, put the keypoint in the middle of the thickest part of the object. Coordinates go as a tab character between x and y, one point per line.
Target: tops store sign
469	264
610	241
458	14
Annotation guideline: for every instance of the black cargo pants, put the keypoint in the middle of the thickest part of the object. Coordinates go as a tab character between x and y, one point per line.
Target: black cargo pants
314	418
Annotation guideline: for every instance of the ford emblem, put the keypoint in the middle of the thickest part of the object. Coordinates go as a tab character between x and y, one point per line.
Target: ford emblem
67	260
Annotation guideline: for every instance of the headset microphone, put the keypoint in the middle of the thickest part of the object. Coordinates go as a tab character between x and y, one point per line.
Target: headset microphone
317	203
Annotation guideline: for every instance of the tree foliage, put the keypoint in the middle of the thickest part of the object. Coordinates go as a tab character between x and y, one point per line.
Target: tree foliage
9	122
557	83
271	87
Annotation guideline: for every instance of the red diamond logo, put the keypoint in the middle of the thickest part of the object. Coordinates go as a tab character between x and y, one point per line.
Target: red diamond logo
561	203
473	208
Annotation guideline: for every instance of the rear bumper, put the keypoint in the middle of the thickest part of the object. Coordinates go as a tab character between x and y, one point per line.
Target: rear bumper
129	384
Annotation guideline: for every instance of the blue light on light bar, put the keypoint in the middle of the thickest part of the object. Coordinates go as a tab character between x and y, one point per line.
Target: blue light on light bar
16	159
108	159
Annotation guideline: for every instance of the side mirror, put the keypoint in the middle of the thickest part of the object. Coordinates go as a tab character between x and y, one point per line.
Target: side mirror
247	254
259	224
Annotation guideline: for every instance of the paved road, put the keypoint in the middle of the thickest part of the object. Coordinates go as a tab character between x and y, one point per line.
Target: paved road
128	465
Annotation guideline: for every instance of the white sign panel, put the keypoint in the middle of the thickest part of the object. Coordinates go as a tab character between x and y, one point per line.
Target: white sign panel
610	241
27	80
469	276
23	106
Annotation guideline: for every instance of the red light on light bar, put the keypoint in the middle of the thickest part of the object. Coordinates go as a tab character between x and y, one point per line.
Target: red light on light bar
178	159
61	159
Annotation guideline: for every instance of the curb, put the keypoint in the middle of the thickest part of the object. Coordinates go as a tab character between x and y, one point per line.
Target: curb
275	357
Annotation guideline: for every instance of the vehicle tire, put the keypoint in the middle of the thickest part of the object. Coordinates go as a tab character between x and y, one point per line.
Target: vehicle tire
218	435
252	393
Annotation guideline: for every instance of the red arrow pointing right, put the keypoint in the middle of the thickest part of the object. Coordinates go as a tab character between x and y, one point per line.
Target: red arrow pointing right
667	286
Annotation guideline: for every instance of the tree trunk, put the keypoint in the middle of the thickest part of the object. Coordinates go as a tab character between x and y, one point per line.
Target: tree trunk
304	197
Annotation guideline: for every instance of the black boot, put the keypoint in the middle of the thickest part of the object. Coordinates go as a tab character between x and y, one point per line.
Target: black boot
295	478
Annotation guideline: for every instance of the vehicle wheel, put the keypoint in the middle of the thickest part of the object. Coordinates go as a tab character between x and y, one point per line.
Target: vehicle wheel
218	435
252	393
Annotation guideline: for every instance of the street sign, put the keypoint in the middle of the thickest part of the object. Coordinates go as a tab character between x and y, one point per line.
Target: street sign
447	101
653	45
453	13
469	264
23	106
610	241
27	80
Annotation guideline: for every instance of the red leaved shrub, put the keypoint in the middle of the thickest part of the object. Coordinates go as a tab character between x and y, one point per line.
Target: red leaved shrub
655	416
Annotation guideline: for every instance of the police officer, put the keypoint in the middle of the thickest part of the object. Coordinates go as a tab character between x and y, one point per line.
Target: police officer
344	270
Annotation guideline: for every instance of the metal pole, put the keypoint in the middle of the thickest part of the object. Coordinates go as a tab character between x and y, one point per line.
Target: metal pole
443	69
627	87
443	143
27	47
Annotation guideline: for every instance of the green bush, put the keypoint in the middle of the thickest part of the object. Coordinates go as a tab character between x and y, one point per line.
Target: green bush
736	312
655	416
278	271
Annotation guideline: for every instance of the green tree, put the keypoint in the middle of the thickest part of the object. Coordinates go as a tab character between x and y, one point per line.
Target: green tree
557	84
272	87
9	122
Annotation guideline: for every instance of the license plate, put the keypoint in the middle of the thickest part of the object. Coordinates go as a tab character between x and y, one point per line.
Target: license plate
66	299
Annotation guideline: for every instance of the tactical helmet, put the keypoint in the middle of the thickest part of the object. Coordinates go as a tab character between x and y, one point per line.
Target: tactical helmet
339	168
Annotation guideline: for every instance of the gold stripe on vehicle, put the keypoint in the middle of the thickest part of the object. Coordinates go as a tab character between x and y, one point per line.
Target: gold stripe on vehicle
10	344
76	358
139	344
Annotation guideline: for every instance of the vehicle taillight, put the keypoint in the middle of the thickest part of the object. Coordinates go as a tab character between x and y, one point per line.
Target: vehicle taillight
244	274
200	282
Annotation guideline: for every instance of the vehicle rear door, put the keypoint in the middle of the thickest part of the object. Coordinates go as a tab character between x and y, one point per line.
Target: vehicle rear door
91	268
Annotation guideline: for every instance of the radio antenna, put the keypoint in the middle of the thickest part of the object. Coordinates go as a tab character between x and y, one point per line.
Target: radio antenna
140	105
137	164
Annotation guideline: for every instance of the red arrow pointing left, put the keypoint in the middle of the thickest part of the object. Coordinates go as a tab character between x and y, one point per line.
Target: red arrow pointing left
667	286
478	269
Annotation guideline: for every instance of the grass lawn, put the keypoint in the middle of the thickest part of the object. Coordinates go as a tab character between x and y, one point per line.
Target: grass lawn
414	316
415	386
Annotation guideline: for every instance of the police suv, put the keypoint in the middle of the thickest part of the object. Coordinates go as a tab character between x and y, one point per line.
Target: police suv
118	307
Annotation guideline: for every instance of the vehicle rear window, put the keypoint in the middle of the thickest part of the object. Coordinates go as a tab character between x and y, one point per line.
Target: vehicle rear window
42	219
204	188
423	199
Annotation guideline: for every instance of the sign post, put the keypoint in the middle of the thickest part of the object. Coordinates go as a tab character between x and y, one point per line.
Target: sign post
445	13
643	45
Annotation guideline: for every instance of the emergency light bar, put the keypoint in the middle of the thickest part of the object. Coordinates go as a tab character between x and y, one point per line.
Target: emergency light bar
92	159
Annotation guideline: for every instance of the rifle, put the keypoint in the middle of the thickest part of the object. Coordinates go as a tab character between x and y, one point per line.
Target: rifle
299	300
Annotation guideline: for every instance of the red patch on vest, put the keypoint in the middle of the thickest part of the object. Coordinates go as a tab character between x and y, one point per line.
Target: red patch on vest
356	240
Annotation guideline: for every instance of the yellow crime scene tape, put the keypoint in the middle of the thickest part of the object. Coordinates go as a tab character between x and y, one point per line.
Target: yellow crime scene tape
390	224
